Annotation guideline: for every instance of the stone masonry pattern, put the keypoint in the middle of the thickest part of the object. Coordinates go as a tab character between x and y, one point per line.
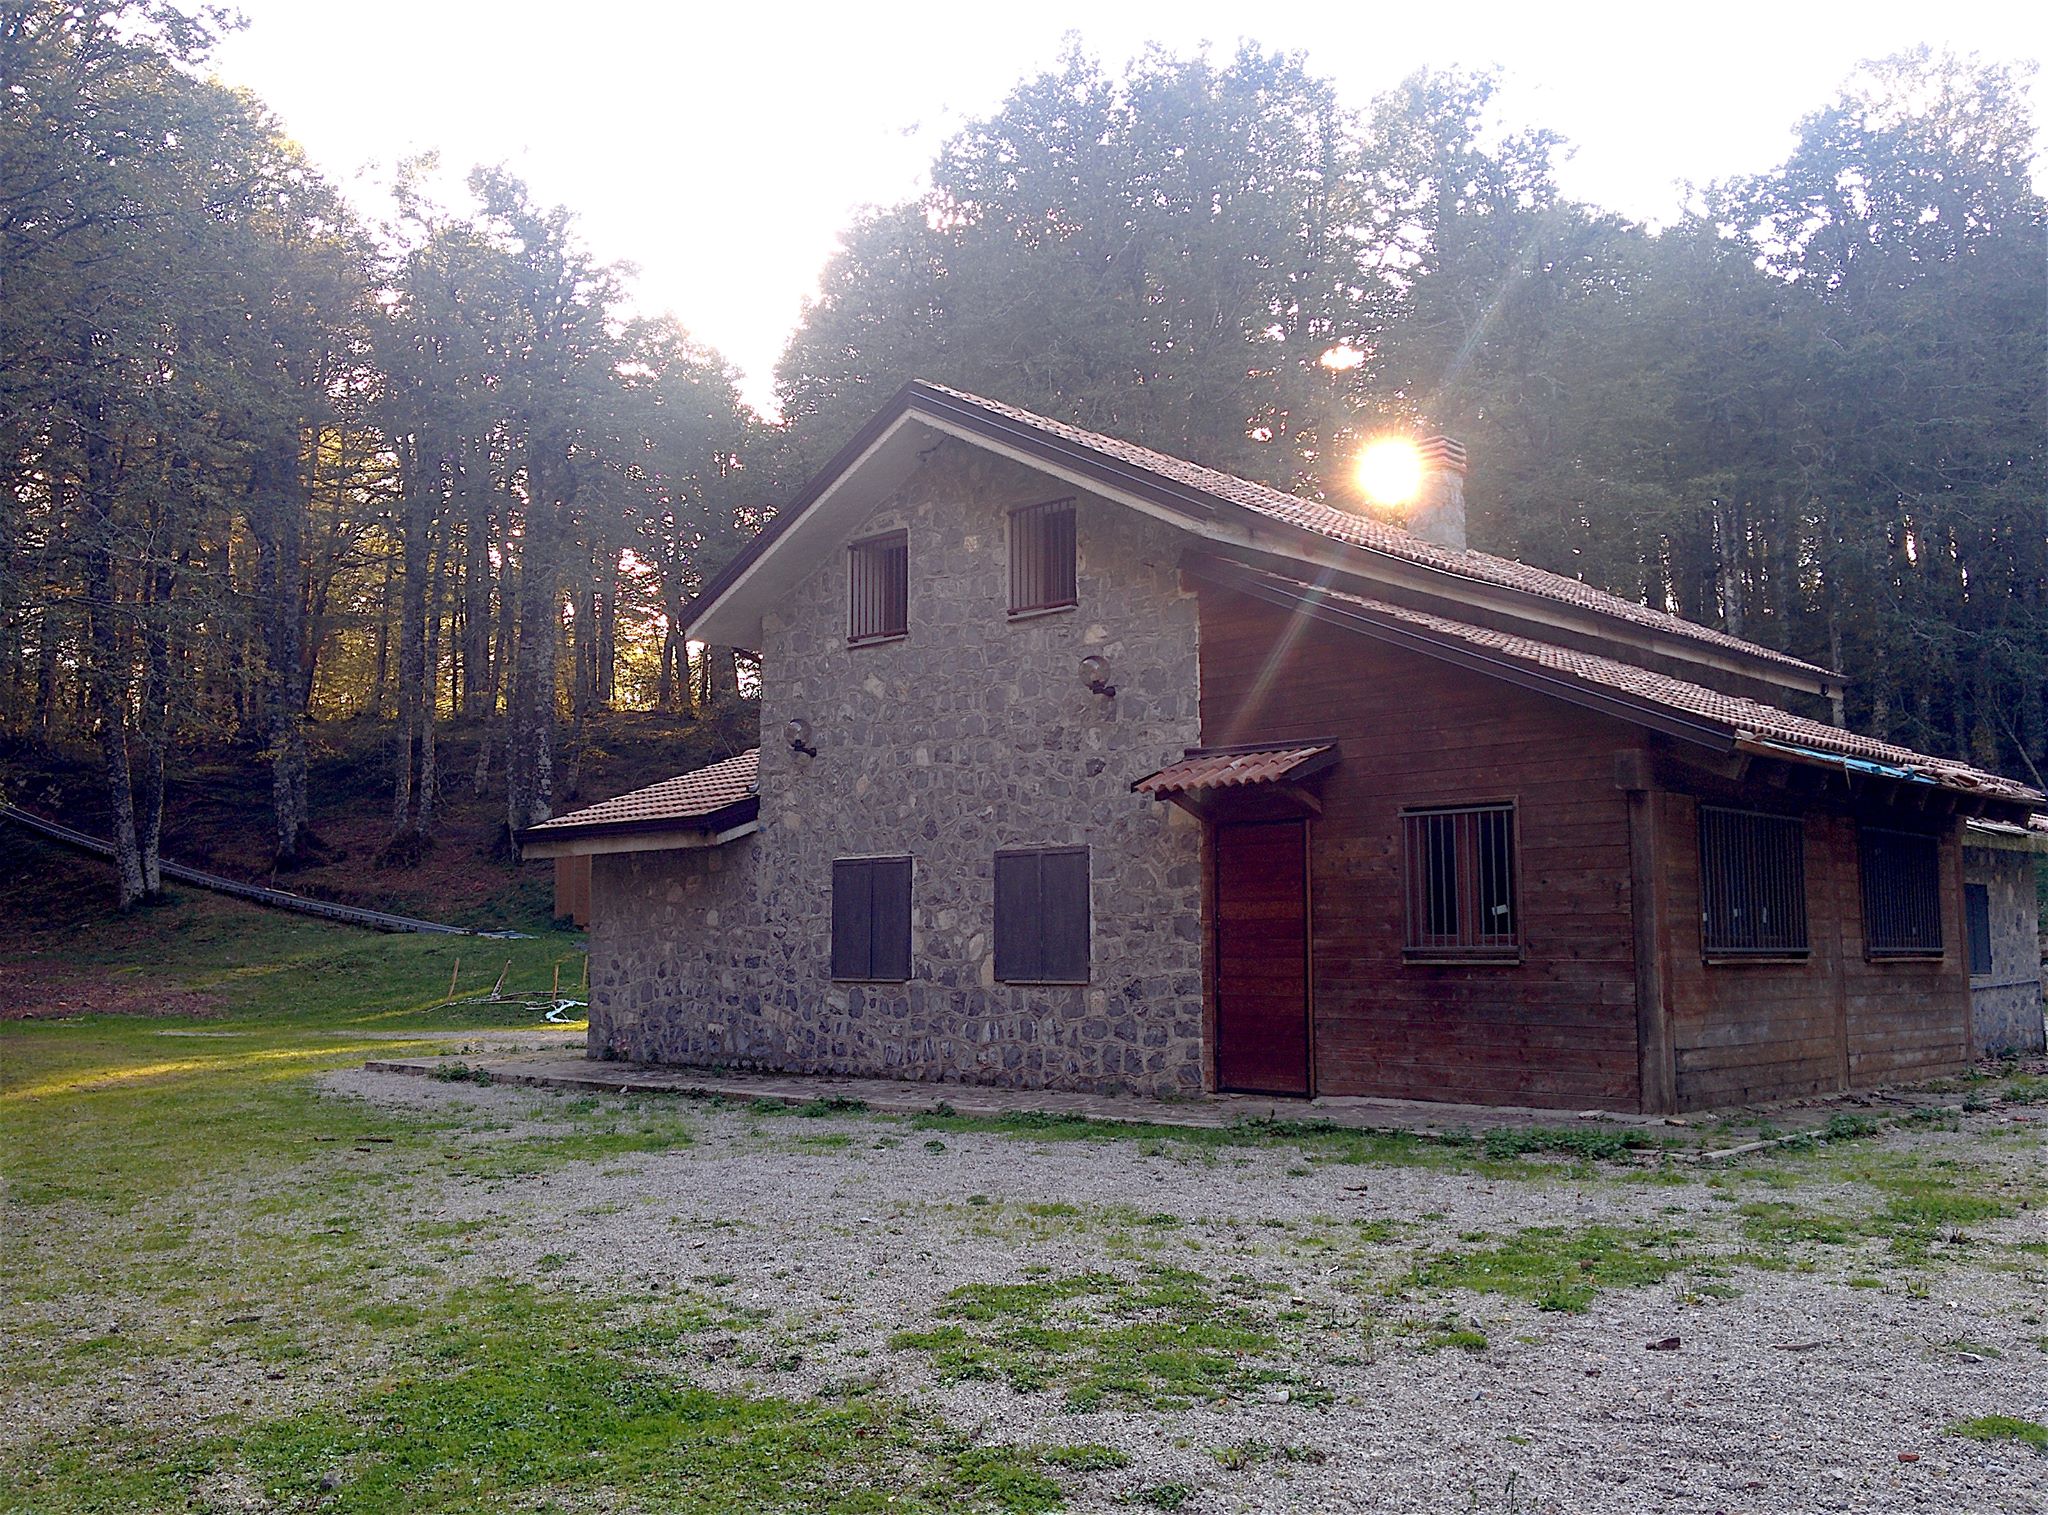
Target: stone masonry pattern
2006	1003
971	734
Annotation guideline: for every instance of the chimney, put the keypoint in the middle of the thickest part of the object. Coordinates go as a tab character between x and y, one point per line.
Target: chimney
1439	511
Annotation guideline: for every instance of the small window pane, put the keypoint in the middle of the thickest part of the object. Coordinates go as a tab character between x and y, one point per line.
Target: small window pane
1460	867
1752	883
1042	557
1977	909
1901	894
878	588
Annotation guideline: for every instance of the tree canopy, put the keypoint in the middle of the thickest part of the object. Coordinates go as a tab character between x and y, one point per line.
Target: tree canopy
269	463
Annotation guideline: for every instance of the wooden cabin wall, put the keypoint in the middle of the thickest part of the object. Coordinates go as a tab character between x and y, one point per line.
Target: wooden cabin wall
1751	1031
1556	1029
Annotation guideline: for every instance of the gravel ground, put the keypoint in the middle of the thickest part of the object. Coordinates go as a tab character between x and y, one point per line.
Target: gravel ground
1798	1393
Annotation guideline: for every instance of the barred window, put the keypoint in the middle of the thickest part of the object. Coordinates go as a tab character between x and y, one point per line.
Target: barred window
878	584
1042	557
1460	868
1752	884
1901	894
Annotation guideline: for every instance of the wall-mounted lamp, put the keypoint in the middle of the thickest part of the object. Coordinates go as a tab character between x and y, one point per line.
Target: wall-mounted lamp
799	733
1095	676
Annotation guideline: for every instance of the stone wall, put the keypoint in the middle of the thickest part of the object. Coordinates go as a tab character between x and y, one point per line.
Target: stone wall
674	953
970	734
2005	1004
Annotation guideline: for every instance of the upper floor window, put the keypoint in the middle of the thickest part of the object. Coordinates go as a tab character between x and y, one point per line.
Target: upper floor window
1460	868
1901	893
1752	884
878	588
1042	916
1042	557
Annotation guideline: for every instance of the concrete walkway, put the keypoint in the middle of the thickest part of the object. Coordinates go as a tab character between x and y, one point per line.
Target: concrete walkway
552	1070
1710	1134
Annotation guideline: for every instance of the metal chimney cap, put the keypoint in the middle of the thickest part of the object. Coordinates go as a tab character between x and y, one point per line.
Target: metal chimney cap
1443	452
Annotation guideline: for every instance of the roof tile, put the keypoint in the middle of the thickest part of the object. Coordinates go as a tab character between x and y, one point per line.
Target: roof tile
1742	717
1382	537
686	797
1199	770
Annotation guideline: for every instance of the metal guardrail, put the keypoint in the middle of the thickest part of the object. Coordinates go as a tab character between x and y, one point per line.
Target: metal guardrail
256	894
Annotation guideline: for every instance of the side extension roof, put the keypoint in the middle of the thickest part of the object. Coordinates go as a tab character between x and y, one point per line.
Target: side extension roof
1676	707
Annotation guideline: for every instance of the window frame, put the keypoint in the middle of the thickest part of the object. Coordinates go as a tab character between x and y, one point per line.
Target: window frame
1921	951
860	967
1977	929
870	548
1029	518
1726	948
1418	875
1035	969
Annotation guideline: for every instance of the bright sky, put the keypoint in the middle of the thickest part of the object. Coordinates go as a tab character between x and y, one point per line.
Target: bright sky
721	148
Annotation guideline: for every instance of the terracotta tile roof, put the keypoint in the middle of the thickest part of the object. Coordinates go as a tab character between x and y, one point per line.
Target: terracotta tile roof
1382	537
1236	768
686	797
1749	722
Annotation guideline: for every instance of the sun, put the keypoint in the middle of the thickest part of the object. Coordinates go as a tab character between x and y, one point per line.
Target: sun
1389	471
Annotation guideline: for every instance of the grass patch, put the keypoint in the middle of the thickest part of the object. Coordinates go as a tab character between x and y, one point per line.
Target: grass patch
1497	1154
1592	1143
1461	1340
515	1398
1559	1269
2028	1433
1161	1339
1925	1204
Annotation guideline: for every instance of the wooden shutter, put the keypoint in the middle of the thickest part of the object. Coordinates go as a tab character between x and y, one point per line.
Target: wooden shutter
853	913
871	918
1042	916
889	917
1063	913
1018	941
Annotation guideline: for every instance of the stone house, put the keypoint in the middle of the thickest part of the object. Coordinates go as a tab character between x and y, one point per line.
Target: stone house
1085	767
2002	916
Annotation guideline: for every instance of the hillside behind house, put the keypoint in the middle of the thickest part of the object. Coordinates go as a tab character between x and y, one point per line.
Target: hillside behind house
217	815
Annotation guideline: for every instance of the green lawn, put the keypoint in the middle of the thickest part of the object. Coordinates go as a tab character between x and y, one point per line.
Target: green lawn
226	1288
180	1198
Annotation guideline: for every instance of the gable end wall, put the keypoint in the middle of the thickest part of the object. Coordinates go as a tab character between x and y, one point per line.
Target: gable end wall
971	734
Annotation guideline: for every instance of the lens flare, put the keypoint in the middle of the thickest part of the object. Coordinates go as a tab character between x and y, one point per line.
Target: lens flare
1389	471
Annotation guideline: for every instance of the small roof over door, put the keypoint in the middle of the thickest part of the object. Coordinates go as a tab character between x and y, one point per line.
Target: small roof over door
1267	772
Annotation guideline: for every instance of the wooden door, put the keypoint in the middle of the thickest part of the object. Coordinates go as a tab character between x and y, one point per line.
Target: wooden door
1262	984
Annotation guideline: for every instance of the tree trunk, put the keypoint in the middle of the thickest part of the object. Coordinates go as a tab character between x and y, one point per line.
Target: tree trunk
412	488
530	735
277	521
109	676
479	689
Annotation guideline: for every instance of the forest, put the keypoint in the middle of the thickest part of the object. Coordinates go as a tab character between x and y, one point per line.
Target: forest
272	462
